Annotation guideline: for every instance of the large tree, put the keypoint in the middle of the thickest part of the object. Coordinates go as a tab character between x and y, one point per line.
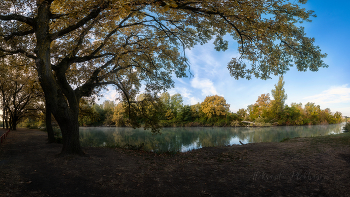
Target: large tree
20	92
81	46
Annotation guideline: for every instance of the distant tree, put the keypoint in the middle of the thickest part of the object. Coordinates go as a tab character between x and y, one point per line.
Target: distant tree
242	114
292	115
253	111
196	110
108	107
87	113
148	110
279	97
214	106
326	117
176	104
119	116
185	114
165	99
312	113
261	107
338	117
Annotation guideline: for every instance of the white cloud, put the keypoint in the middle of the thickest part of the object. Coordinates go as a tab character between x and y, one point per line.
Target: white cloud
183	91
206	86
336	94
186	94
194	100
111	95
203	61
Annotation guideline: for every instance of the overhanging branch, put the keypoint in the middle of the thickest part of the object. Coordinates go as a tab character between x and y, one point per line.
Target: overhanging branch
17	17
21	51
22	33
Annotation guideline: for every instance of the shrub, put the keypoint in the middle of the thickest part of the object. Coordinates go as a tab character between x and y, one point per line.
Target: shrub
235	123
347	127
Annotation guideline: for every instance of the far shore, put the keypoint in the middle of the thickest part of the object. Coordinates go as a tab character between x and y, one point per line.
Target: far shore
191	125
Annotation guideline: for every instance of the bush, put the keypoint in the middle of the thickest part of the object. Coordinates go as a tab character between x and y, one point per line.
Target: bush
235	123
192	124
347	127
220	123
31	123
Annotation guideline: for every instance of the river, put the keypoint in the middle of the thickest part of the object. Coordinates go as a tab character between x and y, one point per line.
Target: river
187	138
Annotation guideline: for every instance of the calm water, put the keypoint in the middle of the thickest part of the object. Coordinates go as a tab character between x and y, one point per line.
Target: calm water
187	138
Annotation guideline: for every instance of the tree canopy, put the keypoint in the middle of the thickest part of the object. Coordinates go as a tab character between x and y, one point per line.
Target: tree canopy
20	91
213	106
81	46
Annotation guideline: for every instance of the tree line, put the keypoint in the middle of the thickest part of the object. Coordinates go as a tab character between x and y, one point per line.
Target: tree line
169	110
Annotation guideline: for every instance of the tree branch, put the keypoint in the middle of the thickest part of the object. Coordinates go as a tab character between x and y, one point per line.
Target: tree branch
93	14
17	17
18	51
22	33
87	88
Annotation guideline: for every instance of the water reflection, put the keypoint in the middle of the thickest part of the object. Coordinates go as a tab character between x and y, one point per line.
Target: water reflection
187	138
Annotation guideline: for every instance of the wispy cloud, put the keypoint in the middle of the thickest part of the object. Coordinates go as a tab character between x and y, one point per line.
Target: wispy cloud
183	91
186	94
336	94
194	100
205	85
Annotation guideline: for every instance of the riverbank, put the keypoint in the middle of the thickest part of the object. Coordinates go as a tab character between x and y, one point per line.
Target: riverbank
318	166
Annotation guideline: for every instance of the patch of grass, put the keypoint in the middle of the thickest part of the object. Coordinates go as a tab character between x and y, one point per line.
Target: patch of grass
337	139
285	139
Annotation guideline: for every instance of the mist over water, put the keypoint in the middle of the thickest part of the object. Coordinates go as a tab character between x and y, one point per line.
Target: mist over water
187	138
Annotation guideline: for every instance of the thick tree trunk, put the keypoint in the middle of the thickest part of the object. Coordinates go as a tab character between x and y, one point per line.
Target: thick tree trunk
69	125
50	134
60	97
14	123
70	138
67	119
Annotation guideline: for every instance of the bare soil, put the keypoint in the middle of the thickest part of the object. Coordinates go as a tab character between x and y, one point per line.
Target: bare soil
318	166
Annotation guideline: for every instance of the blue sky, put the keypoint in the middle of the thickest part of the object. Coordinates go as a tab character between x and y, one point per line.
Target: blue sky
329	87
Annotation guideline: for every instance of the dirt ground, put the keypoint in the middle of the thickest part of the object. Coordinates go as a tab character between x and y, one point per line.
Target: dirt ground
318	166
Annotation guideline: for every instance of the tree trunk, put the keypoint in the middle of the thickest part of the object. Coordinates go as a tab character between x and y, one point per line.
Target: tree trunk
70	138
61	99
69	126
3	113
10	123
6	121
50	134
14	123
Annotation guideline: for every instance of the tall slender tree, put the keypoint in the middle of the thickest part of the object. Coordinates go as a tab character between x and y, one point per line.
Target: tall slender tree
279	97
